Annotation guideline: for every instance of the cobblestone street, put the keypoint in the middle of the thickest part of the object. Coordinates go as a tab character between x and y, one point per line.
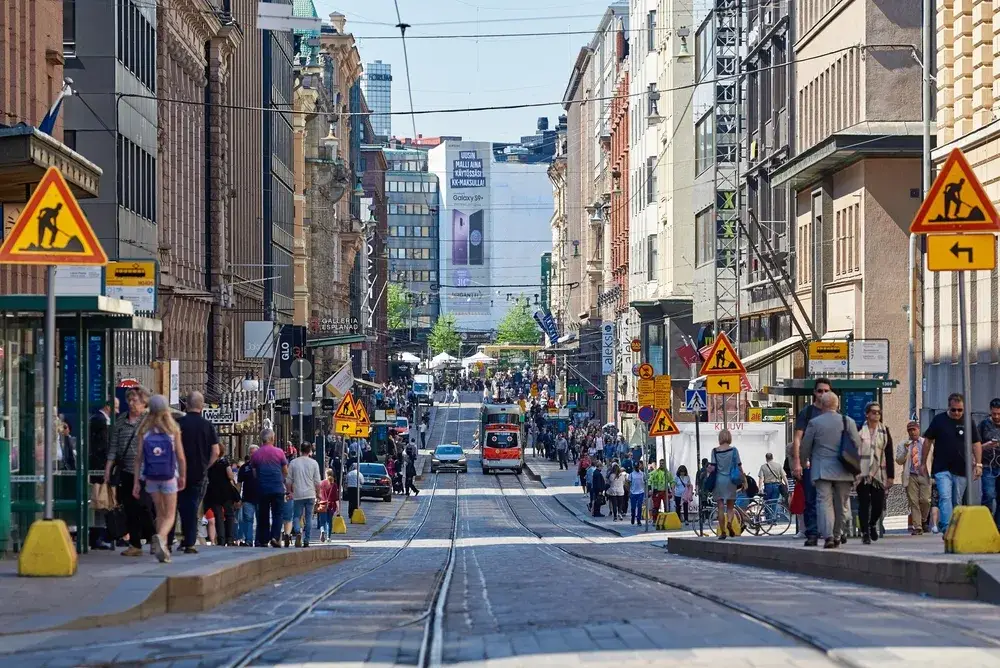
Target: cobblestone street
531	584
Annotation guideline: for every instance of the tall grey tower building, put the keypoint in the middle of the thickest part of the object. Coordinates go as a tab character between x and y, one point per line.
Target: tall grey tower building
377	84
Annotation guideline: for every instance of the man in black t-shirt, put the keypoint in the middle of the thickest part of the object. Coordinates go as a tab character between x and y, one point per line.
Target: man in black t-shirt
946	435
201	449
800	469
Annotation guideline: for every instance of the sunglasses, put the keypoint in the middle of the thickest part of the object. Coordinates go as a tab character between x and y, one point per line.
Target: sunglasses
956	410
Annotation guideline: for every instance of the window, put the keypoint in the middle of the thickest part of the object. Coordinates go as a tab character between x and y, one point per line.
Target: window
652	100
136	43
69	139
651	186
137	179
704	143
69	27
704	46
651	31
434	186
652	256
433	275
704	237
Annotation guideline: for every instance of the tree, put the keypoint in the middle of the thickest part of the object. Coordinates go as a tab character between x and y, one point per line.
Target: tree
444	336
398	307
518	326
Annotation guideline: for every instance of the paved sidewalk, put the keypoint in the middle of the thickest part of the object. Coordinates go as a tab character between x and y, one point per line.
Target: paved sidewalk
915	564
561	485
110	589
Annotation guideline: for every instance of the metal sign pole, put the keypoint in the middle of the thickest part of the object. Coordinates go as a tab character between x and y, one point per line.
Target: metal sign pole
50	386
302	402
697	456
966	386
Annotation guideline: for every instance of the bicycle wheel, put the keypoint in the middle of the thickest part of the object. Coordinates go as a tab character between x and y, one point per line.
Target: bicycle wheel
780	518
711	522
753	517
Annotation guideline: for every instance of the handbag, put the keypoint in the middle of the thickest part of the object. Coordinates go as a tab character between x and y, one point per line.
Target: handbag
116	523
708	484
848	454
735	474
100	497
797	505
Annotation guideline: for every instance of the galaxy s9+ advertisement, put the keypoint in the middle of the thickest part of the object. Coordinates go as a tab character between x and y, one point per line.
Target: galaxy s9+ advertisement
466	229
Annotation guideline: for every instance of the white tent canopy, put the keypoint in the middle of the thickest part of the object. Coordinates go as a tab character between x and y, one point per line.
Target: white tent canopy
442	359
408	357
478	358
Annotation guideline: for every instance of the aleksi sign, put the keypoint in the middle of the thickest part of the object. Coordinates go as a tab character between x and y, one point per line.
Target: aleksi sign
607	347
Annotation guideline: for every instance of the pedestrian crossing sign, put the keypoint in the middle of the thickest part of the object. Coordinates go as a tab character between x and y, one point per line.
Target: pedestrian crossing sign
52	229
695	400
956	202
347	410
722	358
663	425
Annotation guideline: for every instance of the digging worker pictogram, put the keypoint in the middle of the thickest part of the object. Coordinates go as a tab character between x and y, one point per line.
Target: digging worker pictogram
953	196
47	223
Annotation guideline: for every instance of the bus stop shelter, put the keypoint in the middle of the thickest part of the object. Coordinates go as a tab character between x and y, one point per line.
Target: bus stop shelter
854	393
86	329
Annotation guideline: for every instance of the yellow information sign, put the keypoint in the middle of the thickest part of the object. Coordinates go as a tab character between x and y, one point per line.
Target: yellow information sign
723	384
661	392
956	202
51	229
346	427
961	252
831	351
647	396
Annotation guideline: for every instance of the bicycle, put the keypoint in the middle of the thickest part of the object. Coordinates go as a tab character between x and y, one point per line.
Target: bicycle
758	516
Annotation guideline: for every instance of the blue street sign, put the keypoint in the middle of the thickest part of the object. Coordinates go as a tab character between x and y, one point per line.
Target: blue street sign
646	414
371	373
695	401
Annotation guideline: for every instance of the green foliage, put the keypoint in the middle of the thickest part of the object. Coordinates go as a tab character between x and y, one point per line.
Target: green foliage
397	306
518	326
444	336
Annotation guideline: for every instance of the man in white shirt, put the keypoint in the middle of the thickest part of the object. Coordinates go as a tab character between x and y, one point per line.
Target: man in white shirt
423	435
304	480
353	484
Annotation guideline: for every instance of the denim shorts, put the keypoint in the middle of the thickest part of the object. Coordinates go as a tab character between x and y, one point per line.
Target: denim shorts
288	511
162	486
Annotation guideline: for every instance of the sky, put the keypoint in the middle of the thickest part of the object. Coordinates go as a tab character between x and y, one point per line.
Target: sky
468	72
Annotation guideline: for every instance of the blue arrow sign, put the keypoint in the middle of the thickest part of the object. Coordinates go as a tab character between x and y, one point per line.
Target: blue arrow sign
695	401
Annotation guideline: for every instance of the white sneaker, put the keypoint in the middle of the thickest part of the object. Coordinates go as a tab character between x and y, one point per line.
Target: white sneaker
934	529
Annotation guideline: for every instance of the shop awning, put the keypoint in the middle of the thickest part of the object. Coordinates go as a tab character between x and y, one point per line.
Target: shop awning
99	311
340	340
769	355
366	383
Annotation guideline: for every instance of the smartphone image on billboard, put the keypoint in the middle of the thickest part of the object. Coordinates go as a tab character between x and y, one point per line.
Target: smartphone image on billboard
477	238
459	238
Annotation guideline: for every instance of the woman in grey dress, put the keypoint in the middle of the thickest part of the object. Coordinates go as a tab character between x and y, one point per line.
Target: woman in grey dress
724	458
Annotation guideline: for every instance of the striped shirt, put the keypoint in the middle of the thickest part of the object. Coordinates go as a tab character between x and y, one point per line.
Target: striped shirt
122	432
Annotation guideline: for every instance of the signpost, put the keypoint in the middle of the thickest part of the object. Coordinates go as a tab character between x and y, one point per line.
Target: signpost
955	206
50	230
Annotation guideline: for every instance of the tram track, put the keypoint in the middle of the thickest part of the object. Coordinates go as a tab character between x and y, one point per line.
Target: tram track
765	620
431	645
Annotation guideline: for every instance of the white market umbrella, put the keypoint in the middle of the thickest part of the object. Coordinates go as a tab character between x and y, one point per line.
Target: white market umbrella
441	360
409	357
478	358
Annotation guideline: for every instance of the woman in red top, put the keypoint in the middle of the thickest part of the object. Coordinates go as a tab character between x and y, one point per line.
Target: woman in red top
326	504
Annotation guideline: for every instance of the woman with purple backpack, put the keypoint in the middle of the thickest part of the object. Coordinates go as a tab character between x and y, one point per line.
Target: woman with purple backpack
160	462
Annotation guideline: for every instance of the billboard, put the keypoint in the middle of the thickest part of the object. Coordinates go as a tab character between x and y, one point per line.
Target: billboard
466	227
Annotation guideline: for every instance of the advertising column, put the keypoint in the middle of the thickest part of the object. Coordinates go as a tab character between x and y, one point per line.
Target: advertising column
466	229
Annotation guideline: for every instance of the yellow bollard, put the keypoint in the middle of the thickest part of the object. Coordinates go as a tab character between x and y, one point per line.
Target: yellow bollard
48	551
671	521
339	525
358	516
971	531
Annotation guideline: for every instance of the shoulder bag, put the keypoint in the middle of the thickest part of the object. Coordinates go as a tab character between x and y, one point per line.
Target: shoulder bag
116	467
708	484
735	474
849	455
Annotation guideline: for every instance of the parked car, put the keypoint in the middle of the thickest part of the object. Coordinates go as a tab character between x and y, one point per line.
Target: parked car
449	458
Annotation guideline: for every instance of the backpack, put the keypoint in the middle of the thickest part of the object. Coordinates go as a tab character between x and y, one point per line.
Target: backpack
752	490
159	462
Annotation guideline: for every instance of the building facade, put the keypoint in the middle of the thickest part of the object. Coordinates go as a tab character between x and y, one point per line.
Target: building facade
377	87
413	238
856	171
967	109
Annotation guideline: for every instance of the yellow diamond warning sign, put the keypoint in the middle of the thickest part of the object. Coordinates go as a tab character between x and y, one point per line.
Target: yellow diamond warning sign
346	410
722	358
956	202
52	229
663	424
